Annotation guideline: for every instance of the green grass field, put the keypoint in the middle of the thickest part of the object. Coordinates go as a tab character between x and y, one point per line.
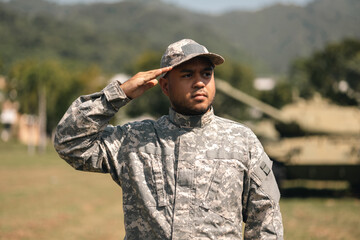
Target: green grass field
41	197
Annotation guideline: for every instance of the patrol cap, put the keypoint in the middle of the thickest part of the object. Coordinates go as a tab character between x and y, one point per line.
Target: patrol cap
184	50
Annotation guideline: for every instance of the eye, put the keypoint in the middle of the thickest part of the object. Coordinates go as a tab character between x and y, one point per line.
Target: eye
188	75
207	74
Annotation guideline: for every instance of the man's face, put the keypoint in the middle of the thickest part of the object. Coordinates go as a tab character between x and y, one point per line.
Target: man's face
190	86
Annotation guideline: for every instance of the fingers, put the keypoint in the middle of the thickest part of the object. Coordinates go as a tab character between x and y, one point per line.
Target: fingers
150	84
166	69
163	70
153	74
142	81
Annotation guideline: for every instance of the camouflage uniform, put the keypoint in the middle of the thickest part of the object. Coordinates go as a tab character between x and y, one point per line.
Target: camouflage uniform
183	177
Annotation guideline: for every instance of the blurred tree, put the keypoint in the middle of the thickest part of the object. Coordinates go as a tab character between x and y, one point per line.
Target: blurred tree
2	67
153	102
353	78
77	81
46	88
333	72
279	96
237	74
33	82
241	77
299	80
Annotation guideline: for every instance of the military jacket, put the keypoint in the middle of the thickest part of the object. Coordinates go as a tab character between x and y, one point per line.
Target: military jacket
182	177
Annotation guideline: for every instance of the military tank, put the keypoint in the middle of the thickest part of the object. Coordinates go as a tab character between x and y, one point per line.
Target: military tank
309	139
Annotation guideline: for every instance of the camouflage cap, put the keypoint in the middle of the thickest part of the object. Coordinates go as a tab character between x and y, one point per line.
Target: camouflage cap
184	50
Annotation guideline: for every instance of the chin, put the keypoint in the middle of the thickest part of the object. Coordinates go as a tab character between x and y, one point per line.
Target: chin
191	109
199	111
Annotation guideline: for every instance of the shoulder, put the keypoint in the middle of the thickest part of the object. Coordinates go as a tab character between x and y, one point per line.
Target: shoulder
133	128
234	127
241	133
140	125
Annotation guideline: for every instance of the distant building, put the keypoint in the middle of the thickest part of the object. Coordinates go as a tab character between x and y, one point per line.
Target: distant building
264	84
2	88
8	118
122	77
24	127
29	130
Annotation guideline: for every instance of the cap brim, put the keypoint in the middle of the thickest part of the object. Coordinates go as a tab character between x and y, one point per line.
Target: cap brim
213	57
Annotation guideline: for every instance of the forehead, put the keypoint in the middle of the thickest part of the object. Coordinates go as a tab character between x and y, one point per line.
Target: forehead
202	62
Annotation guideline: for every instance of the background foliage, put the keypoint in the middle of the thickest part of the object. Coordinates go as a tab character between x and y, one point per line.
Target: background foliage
326	70
115	34
73	49
30	78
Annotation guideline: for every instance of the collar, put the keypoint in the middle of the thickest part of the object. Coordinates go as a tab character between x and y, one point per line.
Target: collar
191	121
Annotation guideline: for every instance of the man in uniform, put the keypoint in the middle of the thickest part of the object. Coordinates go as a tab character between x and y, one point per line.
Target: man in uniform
188	175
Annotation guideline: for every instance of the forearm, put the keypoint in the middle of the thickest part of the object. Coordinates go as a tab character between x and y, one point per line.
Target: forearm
78	136
264	219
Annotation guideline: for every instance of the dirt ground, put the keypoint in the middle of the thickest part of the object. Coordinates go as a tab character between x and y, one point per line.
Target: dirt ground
41	197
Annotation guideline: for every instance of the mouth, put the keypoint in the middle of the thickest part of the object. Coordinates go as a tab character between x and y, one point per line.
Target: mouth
199	95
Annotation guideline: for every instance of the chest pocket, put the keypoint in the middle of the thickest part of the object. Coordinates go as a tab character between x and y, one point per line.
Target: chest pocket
154	174
224	195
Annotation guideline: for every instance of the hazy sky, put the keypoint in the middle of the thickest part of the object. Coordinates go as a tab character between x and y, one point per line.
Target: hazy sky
214	6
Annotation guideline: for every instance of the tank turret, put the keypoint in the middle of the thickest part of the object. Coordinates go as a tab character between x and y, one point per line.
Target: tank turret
309	139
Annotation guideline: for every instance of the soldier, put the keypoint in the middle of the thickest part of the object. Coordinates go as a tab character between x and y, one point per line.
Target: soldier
188	175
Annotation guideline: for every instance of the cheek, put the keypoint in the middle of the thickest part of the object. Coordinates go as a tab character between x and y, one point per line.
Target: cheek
211	89
179	90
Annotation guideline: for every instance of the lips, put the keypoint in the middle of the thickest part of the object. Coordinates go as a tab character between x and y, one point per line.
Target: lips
199	95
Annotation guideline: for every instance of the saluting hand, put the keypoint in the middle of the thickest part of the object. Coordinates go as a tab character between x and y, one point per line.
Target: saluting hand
142	81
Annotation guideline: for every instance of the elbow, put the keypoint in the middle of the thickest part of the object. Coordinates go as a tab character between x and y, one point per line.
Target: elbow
64	146
59	143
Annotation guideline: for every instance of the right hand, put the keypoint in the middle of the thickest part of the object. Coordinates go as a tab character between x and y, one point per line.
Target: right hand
142	81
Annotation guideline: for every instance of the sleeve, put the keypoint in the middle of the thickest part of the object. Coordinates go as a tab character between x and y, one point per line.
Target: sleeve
82	137
261	210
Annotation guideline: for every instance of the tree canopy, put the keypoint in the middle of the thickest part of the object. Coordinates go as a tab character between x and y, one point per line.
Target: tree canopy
52	80
334	72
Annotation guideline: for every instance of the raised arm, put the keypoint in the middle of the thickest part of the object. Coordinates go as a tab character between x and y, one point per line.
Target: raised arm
81	133
142	81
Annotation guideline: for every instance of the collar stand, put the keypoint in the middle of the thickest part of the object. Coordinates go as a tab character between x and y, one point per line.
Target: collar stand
191	121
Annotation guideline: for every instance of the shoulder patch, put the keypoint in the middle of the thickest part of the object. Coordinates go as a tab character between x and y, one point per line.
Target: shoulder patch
263	169
265	179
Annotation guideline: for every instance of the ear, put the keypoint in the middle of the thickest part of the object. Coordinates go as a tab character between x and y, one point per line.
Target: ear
164	84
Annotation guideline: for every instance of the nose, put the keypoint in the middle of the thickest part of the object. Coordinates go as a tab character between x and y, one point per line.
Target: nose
199	82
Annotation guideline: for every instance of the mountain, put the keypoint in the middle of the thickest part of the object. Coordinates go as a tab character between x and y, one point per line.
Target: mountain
280	33
114	34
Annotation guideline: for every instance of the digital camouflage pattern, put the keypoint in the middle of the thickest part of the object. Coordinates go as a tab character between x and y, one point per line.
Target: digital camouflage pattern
182	177
184	50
